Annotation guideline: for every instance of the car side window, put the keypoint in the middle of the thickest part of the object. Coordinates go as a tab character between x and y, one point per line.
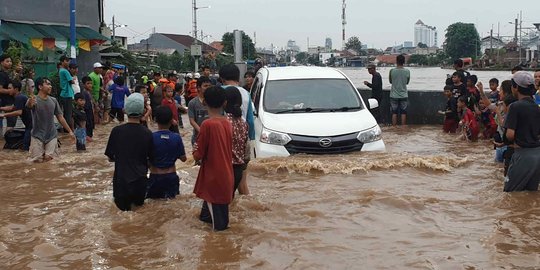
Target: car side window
257	93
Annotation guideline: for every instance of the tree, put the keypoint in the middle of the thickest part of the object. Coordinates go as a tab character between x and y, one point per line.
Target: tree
422	45
354	44
248	48
418	59
462	40
302	57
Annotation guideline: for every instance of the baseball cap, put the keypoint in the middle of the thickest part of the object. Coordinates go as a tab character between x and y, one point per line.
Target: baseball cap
134	105
371	66
523	79
73	65
98	65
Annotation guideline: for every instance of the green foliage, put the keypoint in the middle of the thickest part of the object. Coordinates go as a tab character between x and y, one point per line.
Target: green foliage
462	40
14	51
354	44
421	45
248	48
302	57
418	59
429	60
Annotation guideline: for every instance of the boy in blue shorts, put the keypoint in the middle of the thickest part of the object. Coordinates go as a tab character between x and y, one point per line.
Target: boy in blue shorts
168	147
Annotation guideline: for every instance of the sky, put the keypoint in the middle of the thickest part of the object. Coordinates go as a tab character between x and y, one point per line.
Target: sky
377	23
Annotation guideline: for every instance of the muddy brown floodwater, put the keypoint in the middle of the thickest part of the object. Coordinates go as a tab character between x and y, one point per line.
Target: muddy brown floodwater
429	202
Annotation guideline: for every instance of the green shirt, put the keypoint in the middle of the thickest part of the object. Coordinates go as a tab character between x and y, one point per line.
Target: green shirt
399	78
96	85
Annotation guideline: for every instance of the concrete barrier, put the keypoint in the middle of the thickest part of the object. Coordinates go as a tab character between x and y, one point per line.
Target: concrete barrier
422	109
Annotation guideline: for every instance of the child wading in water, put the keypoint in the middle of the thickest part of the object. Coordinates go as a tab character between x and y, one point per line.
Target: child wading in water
79	121
450	114
130	147
214	149
468	123
240	133
168	147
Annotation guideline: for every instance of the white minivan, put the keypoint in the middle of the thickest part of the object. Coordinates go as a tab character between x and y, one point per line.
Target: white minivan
312	110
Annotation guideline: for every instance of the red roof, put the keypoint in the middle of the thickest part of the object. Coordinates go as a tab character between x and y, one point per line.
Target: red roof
188	41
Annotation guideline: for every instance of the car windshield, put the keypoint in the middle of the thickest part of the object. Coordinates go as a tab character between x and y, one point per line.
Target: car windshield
311	95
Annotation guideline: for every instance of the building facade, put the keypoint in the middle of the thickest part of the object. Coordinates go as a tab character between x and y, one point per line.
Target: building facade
43	27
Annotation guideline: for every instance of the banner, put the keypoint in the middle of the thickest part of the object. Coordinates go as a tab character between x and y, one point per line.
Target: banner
37	43
84	44
49	43
61	44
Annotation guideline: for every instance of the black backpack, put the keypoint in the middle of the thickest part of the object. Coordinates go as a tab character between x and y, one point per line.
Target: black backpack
14	139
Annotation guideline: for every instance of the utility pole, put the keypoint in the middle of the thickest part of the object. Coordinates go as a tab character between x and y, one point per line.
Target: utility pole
114	29
148	50
499	40
72	29
196	49
520	41
195	33
343	23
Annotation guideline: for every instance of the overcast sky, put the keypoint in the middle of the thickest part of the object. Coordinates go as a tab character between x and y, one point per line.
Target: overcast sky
378	23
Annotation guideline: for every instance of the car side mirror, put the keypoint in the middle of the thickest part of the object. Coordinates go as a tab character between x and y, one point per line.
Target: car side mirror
373	103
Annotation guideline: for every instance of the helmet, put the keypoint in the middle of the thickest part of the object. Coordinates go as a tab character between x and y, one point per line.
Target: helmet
197	75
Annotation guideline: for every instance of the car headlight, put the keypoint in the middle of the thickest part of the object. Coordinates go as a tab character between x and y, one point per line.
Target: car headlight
371	135
274	137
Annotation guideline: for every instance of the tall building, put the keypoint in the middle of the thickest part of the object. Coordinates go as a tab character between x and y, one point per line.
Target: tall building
291	45
328	44
425	34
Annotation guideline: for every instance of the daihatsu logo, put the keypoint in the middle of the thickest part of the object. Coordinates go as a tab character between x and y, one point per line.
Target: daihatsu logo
325	142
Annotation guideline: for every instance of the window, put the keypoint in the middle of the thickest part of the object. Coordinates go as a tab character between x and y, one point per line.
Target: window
311	95
256	93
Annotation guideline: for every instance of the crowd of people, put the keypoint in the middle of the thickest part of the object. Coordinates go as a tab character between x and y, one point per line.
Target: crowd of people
220	113
507	115
219	110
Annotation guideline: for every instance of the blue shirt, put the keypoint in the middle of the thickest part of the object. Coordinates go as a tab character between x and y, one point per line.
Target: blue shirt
119	92
66	89
537	99
168	147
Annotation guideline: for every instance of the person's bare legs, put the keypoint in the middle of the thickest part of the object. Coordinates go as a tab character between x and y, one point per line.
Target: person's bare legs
394	119
243	187
403	119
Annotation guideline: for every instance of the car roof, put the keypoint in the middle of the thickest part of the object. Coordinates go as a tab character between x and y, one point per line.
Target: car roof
303	72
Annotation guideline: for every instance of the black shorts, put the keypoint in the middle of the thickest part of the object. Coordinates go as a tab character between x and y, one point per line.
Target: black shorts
215	214
163	186
126	195
117	113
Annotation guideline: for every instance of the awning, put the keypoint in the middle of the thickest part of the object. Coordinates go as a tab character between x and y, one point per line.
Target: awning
30	33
